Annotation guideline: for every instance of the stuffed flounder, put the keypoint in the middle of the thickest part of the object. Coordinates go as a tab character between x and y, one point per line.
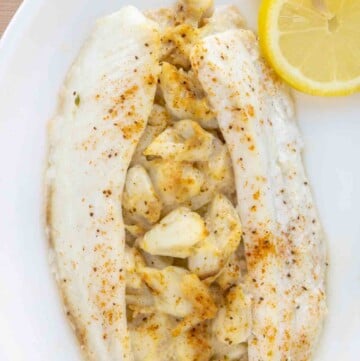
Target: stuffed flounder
179	213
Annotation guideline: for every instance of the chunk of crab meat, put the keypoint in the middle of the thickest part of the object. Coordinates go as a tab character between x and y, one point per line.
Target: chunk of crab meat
223	221
166	288
223	224
168	145
184	141
232	273
233	322
176	235
140	198
183	99
175	182
133	261
219	163
193	345
177	42
207	192
193	11
223	352
218	168
150	337
205	262
199	295
218	175
225	17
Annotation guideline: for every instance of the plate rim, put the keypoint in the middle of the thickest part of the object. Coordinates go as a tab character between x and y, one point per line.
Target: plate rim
14	29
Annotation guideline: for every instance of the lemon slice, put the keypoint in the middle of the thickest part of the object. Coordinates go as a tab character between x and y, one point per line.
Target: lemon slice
314	45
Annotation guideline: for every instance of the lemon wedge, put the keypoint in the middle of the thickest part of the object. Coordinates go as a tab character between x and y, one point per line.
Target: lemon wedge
314	45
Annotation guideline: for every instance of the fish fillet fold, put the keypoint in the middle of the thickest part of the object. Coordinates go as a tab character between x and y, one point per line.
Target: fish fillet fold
103	110
283	237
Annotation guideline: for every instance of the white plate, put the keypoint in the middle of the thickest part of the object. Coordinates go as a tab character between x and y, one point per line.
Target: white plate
35	54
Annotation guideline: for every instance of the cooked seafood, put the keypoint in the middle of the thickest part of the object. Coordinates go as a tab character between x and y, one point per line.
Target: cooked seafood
282	233
173	143
104	107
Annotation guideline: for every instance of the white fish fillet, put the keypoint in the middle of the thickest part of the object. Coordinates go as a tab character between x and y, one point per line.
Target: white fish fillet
282	233
103	110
